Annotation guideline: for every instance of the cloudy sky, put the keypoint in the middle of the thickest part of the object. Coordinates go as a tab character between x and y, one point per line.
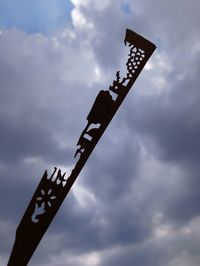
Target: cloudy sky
55	56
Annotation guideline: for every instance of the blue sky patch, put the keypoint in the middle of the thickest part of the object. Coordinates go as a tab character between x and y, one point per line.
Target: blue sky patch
126	8
43	16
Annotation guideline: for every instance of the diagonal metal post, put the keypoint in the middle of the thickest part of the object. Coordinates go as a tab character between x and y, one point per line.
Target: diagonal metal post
53	189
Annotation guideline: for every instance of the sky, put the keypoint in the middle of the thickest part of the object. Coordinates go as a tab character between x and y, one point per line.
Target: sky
137	200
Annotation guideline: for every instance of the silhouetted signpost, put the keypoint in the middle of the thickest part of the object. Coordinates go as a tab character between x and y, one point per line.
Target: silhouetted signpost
53	188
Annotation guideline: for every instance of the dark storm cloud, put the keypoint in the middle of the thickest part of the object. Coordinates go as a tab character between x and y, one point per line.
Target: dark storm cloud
170	128
27	139
174	129
119	160
163	252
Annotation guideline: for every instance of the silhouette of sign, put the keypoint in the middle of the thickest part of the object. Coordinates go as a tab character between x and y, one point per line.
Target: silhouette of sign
53	189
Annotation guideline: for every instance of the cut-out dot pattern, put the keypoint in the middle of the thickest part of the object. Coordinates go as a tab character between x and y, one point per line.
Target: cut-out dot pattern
136	56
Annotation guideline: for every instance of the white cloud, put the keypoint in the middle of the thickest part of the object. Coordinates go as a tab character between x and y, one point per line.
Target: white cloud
79	3
99	5
85	198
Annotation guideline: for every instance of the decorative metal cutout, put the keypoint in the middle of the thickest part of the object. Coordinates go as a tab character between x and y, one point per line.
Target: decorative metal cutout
52	190
43	202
